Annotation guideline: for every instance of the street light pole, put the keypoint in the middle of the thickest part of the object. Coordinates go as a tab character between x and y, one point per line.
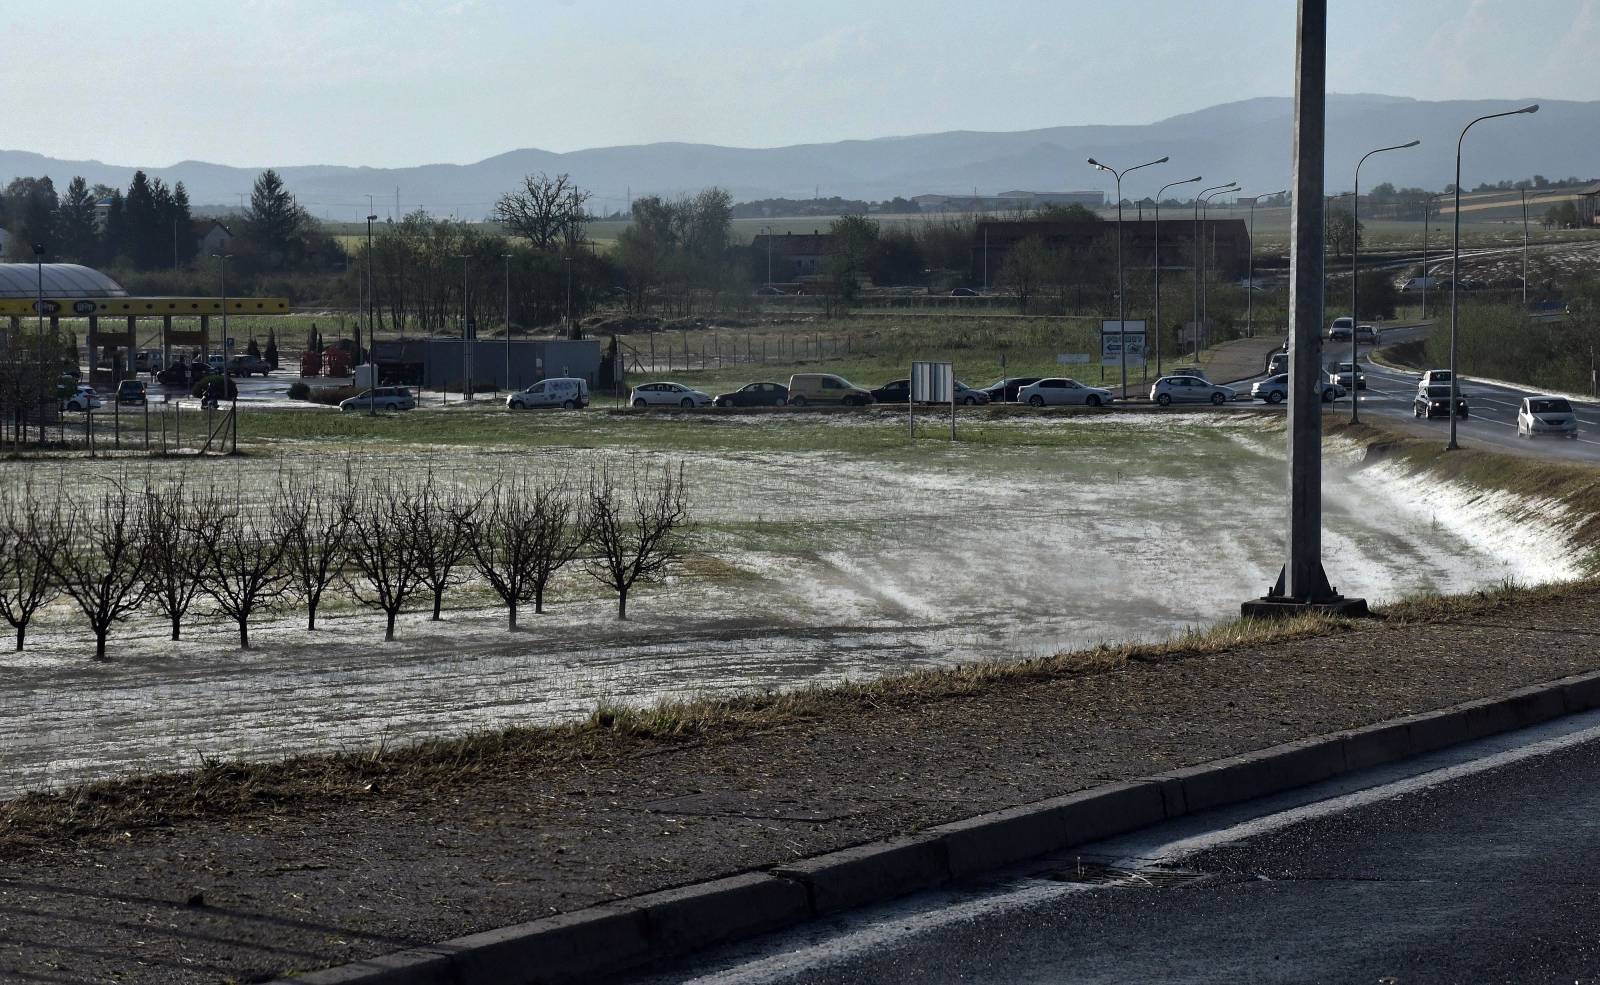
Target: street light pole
1427	211
1200	259
1455	263
1205	220
1122	293
466	331
224	258
1250	291
1158	330
1524	249
507	258
767	231
372	343
1355	251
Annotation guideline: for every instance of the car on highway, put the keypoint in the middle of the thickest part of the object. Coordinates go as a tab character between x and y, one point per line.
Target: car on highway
1341	374
964	292
1546	415
567	392
248	366
1277	363
668	395
1189	390
83	398
380	398
1062	390
755	395
1275	389
131	392
1004	390
1434	401
1433	377
826	388
1341	328
1368	334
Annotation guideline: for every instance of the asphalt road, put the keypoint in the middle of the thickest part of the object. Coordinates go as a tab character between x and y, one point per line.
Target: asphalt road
1471	865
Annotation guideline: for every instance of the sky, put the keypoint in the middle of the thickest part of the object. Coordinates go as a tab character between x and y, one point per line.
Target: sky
390	84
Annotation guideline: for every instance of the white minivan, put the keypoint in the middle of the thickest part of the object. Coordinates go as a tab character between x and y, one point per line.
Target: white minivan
569	392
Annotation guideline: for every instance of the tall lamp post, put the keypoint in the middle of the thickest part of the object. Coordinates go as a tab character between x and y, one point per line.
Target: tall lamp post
372	343
466	330
1250	276
1200	257
1355	252
1427	211
1122	294
1203	222
767	232
223	259
1524	249
507	258
1455	262
1163	191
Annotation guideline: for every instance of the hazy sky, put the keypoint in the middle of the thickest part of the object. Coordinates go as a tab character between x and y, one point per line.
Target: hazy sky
255	82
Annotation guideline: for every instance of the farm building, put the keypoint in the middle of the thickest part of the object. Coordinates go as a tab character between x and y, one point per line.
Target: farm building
1589	205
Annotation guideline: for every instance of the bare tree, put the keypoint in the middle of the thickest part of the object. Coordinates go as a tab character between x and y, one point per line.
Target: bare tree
382	549
178	530
99	564
26	547
522	536
637	535
315	524
442	540
546	211
243	571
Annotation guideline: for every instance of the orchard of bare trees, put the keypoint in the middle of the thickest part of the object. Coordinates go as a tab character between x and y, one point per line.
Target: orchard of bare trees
177	553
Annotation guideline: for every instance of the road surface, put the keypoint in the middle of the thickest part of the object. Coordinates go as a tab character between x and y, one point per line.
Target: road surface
1470	865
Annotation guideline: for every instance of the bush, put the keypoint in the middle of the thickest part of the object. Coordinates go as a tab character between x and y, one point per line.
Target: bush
299	390
333	395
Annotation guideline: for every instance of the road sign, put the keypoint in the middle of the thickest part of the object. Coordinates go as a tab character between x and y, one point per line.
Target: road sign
1072	358
1114	335
933	383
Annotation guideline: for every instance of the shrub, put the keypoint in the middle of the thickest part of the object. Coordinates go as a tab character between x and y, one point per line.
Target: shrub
299	390
332	395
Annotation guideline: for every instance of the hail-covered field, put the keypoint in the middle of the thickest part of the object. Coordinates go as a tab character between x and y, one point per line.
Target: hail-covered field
823	548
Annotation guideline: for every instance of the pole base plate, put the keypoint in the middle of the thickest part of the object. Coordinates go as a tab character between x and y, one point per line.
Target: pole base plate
1279	607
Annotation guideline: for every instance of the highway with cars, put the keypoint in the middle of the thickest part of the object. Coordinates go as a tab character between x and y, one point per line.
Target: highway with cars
1468	865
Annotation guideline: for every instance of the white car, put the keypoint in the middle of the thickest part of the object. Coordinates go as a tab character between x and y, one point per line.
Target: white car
568	392
84	398
1341	373
1275	389
967	395
1341	328
380	398
1546	415
1189	390
668	395
1062	390
1433	377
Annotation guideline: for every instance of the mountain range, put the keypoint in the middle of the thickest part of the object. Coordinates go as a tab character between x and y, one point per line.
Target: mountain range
1248	141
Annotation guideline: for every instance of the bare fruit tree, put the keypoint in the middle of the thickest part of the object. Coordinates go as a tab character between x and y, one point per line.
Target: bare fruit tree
636	535
316	528
522	535
99	563
178	529
27	544
547	211
441	538
383	550
243	571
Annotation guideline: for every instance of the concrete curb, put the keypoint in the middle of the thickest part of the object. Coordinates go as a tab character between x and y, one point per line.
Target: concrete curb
599	942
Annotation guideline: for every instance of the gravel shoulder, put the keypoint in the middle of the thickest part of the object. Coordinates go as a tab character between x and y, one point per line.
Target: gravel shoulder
269	883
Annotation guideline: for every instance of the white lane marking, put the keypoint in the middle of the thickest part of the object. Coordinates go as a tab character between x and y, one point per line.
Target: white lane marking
823	945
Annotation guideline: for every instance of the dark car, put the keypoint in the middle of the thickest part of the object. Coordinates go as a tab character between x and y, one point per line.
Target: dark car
964	292
755	395
248	365
1434	401
175	375
131	392
1005	391
893	392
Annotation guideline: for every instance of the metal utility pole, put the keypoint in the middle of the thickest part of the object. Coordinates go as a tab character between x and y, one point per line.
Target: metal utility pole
1355	251
1122	293
372	343
767	231
224	258
1455	263
1158	330
1200	259
1205	220
1250	291
1303	586
466	331
507	258
1427	210
1524	192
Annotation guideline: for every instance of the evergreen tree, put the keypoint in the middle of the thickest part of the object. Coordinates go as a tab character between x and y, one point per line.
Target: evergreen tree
252	350
31	209
184	220
142	223
272	348
76	223
114	237
274	223
163	245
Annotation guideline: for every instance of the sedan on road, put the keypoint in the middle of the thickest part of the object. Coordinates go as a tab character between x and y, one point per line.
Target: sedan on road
1546	415
1004	390
380	398
668	395
1057	390
892	392
1341	374
755	395
1434	401
1189	390
1275	389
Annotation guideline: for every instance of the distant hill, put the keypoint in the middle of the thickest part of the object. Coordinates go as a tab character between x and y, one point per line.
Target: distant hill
1248	141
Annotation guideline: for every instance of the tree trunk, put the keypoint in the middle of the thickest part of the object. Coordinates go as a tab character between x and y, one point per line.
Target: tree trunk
622	604
177	622
311	614
388	632
538	599
438	602
22	632
511	614
100	643
244	633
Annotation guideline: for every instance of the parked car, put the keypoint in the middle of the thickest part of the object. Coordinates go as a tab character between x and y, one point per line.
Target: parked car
755	395
147	361
248	365
968	396
1189	390
1341	328
1546	415
826	388
1057	390
1275	389
892	392
199	369
380	398
1341	373
83	398
1278	363
668	395
1004	390
568	392
1368	334
1434	401
131	392
175	375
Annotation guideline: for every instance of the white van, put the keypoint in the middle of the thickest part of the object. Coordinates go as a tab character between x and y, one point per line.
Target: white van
569	392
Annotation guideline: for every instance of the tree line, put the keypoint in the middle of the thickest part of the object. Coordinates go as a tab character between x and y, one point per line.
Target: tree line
387	543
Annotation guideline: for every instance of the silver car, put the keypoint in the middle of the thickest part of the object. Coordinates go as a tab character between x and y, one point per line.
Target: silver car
1062	390
1546	415
668	395
380	398
1275	389
1189	390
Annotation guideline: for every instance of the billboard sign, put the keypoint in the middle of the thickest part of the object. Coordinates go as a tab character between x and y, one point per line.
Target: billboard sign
933	383
1114	335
